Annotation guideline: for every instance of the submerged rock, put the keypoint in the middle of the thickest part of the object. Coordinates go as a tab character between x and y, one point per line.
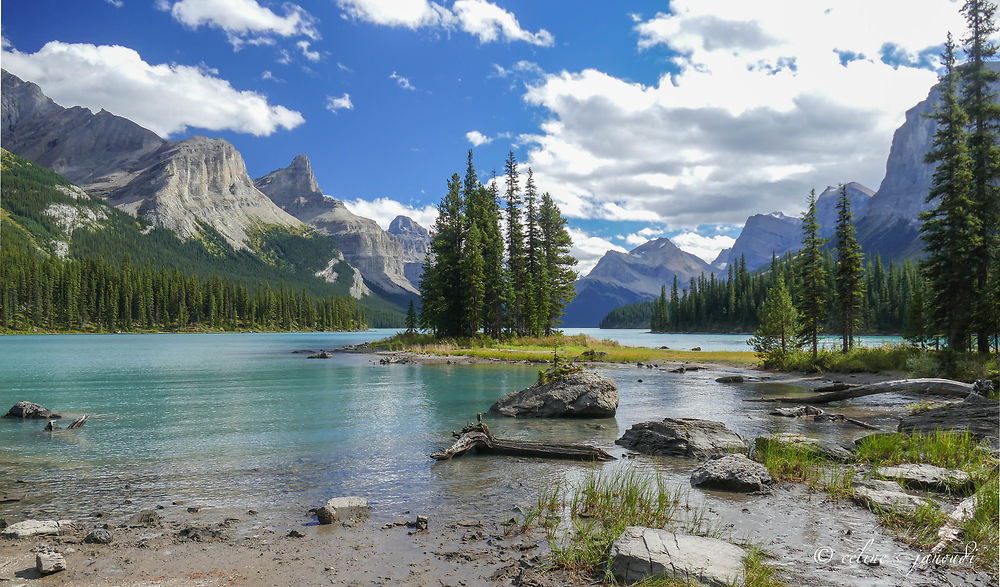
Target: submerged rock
30	528
886	496
47	563
24	409
145	518
797	412
924	476
731	379
584	394
320	355
342	509
826	449
685	437
732	472
640	553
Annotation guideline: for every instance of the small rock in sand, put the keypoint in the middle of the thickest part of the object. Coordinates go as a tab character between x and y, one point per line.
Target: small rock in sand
47	563
341	509
98	536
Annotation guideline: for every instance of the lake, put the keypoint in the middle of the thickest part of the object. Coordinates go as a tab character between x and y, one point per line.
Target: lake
238	421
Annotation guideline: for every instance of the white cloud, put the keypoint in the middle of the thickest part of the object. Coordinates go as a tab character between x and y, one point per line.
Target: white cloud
485	20
268	75
477	138
116	3
383	210
588	249
242	20
341	103
706	247
303	46
489	23
760	109
166	99
402	81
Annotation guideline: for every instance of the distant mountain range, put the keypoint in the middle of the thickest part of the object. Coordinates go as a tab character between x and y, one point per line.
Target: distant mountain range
887	224
200	185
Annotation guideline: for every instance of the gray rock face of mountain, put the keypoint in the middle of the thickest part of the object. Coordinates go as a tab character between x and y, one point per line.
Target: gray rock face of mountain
378	255
826	206
625	278
73	142
763	234
176	185
415	241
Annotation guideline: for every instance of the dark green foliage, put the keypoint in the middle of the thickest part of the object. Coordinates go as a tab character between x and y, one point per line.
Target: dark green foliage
951	230
850	286
122	275
411	319
776	336
466	288
812	273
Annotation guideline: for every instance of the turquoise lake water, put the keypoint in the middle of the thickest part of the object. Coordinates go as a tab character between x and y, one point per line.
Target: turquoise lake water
237	421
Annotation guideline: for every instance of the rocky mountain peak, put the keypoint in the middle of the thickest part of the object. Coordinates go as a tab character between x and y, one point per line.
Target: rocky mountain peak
293	187
404	225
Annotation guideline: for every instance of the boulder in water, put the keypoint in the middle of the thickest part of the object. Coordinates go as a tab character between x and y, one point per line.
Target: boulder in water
24	409
583	394
732	472
684	437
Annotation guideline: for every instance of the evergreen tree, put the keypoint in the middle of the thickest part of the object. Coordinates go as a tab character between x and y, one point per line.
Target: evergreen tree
776	337
473	285
916	329
813	278
980	105
559	264
411	319
952	231
850	286
492	246
537	297
516	262
441	284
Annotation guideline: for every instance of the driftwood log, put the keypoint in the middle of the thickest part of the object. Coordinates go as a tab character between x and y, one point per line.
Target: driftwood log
78	423
477	437
931	386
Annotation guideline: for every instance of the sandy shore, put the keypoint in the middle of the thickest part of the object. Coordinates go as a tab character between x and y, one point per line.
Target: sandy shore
207	547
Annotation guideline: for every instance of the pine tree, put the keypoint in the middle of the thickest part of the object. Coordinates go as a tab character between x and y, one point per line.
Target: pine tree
473	286
951	230
537	296
411	319
441	284
776	337
516	262
813	295
850	285
980	105
559	264
492	246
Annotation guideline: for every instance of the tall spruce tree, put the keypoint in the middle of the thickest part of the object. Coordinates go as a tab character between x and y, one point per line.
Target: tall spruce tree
411	319
536	296
493	270
813	278
951	230
516	262
441	284
473	282
850	284
979	102
559	264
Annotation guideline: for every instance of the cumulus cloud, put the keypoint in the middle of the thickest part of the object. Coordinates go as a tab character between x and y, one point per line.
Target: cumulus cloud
402	81
588	249
477	138
706	247
303	46
760	108
485	20
243	21
342	103
166	99
383	210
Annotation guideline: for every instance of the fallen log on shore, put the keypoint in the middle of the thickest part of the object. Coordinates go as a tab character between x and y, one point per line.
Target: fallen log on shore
928	385
477	437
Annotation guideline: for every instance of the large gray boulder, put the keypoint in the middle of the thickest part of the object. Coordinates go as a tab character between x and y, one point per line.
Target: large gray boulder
647	552
980	416
24	409
732	472
585	394
886	496
825	449
684	437
343	509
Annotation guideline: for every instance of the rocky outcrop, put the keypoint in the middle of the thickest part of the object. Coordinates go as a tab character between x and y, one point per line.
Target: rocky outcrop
641	553
763	234
576	395
378	255
29	528
978	415
924	476
25	409
625	278
683	437
342	509
886	496
825	449
732	472
415	241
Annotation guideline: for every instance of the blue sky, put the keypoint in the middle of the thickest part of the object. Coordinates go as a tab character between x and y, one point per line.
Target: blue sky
643	119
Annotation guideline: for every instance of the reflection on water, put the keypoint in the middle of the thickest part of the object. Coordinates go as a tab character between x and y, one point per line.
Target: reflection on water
239	421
